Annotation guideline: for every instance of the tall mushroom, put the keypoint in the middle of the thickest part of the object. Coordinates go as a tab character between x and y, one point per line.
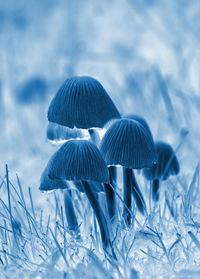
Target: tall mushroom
167	165
81	160
128	143
82	102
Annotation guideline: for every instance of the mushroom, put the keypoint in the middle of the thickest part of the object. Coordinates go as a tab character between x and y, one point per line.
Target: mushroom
80	160
82	102
167	164
48	184
128	143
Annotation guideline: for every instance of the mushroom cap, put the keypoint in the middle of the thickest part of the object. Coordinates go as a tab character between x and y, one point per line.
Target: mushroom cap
167	163
129	144
48	184
78	160
82	102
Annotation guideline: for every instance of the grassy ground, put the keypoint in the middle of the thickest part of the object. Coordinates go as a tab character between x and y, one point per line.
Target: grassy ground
146	55
36	243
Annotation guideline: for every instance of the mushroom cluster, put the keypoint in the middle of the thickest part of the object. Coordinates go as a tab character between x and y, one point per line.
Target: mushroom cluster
82	104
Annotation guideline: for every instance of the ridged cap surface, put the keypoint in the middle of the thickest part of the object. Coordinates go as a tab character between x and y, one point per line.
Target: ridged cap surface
82	102
129	144
78	160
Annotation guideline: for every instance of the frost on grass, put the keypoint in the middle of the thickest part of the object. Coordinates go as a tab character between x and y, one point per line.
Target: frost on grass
36	242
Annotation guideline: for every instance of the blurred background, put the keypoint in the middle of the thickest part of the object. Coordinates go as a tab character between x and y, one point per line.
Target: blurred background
146	54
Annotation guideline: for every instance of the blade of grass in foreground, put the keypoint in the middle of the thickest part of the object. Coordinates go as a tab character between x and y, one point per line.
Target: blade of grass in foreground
194	239
9	206
59	248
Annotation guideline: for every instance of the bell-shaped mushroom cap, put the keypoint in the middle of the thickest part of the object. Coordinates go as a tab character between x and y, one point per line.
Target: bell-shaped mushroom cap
82	102
138	118
167	163
78	160
129	144
48	184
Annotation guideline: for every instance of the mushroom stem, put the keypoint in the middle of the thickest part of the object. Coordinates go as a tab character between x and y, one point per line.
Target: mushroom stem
138	197
94	136
110	193
127	181
69	211
155	190
99	215
113	173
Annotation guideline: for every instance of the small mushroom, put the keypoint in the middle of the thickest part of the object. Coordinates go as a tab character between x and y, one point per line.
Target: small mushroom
48	184
82	102
167	164
128	143
80	160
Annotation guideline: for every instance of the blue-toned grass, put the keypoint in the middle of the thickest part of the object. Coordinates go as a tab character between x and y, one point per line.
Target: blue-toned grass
129	37
40	243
